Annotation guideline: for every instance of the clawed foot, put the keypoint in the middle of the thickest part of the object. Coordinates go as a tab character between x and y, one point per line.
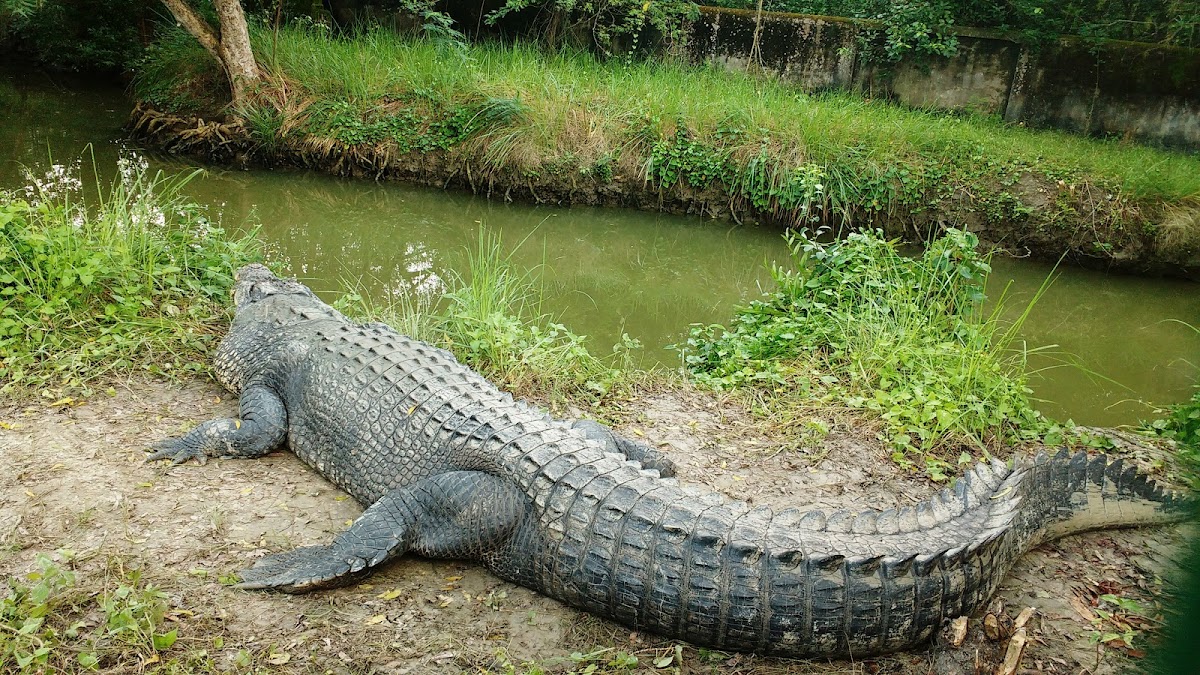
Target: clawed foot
302	570
176	450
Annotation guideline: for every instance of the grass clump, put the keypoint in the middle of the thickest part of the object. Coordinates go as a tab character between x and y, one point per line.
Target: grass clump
904	339
131	277
490	317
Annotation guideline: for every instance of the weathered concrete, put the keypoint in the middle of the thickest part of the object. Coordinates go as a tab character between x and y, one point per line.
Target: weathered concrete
1137	91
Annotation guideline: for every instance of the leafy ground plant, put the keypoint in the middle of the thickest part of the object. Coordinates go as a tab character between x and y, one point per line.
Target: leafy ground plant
49	624
129	276
904	339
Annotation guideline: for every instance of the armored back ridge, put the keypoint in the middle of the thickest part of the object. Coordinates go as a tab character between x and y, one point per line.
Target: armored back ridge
449	466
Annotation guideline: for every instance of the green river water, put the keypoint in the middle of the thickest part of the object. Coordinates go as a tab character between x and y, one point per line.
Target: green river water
606	272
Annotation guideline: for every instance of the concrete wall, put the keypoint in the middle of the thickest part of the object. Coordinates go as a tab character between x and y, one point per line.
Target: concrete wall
1145	92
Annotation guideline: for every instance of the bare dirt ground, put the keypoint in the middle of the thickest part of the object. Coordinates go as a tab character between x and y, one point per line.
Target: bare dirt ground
72	476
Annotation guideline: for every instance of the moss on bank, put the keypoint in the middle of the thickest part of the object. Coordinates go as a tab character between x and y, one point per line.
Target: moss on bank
518	123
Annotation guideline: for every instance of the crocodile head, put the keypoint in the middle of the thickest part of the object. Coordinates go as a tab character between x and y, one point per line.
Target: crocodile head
264	303
255	282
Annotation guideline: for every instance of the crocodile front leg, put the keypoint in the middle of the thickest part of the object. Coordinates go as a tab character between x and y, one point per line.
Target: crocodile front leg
260	428
458	514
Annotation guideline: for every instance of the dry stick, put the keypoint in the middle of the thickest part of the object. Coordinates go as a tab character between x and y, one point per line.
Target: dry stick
1012	657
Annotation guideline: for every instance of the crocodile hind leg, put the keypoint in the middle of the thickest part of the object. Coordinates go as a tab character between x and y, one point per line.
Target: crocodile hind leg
459	514
260	428
638	452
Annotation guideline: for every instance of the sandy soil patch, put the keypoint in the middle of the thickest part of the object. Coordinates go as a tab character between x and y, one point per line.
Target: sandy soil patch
72	476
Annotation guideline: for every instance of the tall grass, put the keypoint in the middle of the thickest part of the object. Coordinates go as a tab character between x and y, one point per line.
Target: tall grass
132	277
904	339
490	317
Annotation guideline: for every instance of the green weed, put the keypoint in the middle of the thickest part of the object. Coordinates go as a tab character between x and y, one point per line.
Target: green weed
46	622
904	339
134	614
1120	623
26	642
131	277
1181	423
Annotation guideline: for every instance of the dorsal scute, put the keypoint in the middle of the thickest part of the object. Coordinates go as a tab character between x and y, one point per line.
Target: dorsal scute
865	566
925	563
898	567
840	521
887	522
865	523
827	562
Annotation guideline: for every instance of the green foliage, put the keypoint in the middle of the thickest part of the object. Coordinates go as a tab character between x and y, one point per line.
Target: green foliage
761	181
87	35
132	277
22	9
1184	422
26	641
441	127
1181	423
918	26
176	73
903	338
45	622
265	124
612	26
680	157
134	615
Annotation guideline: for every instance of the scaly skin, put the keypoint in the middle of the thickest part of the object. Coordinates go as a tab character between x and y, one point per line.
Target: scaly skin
449	466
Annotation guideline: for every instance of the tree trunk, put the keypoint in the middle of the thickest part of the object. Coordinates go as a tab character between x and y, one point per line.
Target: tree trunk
230	47
236	54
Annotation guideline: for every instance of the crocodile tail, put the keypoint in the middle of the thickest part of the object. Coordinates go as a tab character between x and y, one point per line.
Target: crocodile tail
718	572
882	581
1068	493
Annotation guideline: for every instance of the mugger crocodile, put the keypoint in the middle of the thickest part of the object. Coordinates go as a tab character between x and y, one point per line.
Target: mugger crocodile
449	466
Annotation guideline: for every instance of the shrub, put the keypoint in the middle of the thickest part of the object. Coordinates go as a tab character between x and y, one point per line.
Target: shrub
85	35
905	339
134	277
